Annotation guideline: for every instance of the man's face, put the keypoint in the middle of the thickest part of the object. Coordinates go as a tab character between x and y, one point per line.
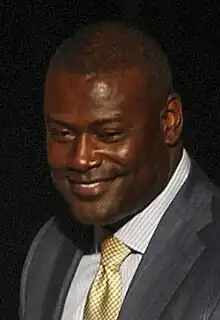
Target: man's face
106	148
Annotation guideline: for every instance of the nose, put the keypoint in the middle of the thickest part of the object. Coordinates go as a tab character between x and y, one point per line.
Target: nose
85	155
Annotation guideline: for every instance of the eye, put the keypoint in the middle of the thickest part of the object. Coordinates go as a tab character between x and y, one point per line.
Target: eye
111	136
61	134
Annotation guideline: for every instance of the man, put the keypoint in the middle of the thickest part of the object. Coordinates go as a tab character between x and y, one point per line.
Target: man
113	138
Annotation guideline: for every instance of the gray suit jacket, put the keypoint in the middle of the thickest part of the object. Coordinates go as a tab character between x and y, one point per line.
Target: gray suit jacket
177	279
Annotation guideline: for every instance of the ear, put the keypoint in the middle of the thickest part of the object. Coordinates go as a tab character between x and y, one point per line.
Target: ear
172	120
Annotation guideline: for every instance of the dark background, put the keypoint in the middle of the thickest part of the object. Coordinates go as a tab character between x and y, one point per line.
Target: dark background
30	31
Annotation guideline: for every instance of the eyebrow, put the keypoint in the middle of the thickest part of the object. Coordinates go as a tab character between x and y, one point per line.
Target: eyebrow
59	122
70	126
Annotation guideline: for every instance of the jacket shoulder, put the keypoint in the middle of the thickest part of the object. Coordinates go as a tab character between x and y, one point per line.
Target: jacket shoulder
40	239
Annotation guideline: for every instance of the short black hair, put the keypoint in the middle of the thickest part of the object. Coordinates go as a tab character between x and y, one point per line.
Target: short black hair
113	46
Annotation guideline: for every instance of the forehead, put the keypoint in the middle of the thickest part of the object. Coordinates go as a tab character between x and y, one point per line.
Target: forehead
121	91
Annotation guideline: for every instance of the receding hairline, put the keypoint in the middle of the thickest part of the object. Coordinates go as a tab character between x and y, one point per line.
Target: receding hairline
109	47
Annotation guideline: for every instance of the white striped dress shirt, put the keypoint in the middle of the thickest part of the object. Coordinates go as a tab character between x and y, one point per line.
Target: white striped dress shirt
136	234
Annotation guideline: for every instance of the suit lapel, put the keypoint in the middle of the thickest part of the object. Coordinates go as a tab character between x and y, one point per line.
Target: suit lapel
66	284
75	241
171	253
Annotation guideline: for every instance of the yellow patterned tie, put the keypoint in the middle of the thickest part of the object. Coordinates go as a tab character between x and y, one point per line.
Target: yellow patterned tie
104	299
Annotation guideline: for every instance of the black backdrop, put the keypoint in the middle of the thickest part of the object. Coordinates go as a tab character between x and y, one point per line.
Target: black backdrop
189	32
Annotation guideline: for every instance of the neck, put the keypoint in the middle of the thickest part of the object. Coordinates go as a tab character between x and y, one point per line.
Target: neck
175	157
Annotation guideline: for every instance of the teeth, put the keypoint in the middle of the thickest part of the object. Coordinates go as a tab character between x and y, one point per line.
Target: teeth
88	186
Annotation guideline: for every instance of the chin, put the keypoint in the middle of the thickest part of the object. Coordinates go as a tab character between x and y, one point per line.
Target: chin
104	217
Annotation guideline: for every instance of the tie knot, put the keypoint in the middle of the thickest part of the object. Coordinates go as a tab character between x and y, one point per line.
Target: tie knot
113	252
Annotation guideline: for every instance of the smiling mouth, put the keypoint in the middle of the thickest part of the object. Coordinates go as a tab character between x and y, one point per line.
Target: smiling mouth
90	189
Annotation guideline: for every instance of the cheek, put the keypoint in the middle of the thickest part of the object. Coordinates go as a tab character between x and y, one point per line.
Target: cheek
125	153
129	153
135	153
57	154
